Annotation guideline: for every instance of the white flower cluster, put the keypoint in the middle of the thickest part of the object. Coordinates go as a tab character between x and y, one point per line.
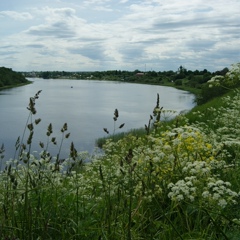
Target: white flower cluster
213	192
218	192
197	168
183	189
234	74
231	79
215	81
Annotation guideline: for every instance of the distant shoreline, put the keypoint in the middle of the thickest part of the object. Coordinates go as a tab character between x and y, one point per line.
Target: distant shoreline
194	91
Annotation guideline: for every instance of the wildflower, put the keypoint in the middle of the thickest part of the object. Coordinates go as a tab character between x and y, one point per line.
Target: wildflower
205	194
179	197
182	189
222	203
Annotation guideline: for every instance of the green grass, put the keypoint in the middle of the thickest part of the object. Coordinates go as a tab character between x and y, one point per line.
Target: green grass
117	136
205	108
184	87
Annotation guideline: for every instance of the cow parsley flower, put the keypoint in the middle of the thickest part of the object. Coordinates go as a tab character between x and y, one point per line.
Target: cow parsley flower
183	189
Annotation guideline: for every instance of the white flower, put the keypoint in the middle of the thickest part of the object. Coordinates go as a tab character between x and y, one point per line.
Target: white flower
216	196
205	194
191	198
222	203
179	197
219	182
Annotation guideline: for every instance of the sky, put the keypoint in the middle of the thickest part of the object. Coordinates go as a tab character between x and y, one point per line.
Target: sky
100	35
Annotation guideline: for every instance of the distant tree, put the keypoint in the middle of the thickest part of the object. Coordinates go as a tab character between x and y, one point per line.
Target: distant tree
178	82
206	76
46	75
152	74
136	71
195	81
222	72
182	70
205	71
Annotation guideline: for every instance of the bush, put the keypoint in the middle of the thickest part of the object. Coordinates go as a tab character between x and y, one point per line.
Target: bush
218	85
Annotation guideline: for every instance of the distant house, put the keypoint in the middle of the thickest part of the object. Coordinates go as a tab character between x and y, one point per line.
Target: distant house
140	74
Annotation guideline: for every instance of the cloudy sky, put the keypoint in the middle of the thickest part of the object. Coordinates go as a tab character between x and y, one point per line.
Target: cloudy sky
82	35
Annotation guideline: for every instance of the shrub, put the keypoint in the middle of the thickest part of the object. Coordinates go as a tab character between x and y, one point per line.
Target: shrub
218	85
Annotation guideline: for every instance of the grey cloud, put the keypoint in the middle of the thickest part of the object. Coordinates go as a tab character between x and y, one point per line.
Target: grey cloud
68	12
58	30
88	39
189	23
8	52
200	45
47	52
153	41
35	45
6	46
132	51
158	64
94	52
231	31
228	53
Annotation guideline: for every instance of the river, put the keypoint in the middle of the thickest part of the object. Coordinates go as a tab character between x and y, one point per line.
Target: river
87	107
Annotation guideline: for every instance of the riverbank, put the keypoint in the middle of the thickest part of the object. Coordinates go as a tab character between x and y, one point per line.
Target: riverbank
183	87
142	131
15	85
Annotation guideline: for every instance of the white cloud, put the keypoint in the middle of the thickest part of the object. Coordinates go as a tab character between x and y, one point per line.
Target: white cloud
104	34
124	1
16	15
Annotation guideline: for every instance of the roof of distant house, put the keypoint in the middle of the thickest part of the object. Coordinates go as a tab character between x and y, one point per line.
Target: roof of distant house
139	74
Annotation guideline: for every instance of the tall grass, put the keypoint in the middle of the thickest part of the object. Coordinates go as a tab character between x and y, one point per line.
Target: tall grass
179	181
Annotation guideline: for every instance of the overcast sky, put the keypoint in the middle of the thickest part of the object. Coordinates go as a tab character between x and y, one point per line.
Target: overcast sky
82	35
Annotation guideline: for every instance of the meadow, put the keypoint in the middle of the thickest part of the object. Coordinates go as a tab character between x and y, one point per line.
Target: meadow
178	181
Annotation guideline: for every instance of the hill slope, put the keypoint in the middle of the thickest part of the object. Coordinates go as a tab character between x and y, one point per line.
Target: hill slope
10	78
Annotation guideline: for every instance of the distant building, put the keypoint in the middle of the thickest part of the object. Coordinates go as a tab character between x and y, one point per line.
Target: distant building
140	74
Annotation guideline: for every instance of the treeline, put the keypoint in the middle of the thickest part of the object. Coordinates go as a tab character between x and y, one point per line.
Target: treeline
194	81
180	77
9	78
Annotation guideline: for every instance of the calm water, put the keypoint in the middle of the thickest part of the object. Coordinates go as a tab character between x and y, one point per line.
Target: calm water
87	106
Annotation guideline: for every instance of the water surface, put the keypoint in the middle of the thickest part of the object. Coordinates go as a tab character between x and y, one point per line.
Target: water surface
87	107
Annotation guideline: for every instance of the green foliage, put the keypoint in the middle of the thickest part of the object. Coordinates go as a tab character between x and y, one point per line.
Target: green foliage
220	84
178	82
10	78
